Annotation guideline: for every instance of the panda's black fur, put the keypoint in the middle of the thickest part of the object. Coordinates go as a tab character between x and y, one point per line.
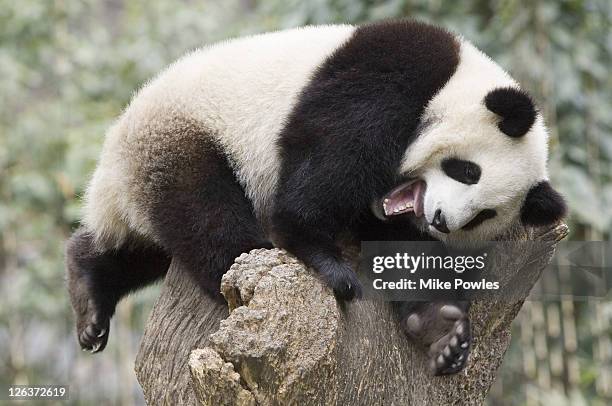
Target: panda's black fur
516	108
340	149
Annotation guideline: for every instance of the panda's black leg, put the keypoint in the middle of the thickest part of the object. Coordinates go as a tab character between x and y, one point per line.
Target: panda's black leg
202	215
97	280
442	328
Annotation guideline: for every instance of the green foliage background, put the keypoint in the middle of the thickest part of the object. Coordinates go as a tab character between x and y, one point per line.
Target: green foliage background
68	67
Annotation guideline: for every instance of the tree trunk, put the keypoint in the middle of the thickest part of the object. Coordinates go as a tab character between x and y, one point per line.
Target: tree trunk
285	340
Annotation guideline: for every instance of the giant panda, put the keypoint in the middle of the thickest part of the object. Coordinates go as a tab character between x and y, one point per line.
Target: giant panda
396	130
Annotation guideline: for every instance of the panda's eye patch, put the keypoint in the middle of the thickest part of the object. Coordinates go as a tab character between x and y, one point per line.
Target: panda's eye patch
480	218
462	171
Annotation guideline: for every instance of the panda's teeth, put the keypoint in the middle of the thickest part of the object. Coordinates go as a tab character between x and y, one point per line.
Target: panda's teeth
386	201
405	207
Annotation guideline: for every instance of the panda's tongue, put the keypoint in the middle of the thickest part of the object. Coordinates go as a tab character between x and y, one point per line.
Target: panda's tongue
405	198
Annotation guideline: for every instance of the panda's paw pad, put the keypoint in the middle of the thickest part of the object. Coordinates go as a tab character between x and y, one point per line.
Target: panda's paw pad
449	354
93	330
444	329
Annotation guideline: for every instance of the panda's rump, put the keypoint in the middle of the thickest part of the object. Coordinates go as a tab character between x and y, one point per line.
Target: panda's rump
143	160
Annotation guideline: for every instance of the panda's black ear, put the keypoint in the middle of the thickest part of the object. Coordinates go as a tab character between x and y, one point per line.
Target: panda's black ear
515	108
543	205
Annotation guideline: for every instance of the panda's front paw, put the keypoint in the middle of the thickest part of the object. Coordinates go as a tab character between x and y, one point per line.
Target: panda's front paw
445	330
343	280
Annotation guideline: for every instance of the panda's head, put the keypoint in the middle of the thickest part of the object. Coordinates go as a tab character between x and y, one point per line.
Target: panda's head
478	163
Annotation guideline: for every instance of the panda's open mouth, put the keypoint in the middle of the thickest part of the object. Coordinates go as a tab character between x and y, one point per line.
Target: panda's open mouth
407	197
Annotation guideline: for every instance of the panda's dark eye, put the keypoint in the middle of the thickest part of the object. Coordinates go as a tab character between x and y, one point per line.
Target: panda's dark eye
462	171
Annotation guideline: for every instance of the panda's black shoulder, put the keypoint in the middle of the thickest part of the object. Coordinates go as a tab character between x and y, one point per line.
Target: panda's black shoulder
421	55
362	106
379	80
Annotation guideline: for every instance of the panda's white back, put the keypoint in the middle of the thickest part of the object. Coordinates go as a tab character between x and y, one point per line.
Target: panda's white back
240	93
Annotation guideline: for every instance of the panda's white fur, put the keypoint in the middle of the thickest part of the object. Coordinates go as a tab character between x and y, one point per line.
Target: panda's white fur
239	91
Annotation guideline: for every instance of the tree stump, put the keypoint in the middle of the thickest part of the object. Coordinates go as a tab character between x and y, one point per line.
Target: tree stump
286	340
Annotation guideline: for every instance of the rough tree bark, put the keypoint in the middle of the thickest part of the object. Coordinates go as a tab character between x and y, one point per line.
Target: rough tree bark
285	340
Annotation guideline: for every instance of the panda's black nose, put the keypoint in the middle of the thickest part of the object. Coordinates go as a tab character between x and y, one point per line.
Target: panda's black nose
439	222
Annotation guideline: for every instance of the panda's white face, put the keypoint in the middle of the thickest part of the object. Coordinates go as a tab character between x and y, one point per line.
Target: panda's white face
472	180
469	179
474	190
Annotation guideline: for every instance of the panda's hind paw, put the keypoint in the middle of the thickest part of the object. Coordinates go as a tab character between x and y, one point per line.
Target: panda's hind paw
92	317
445	331
93	330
